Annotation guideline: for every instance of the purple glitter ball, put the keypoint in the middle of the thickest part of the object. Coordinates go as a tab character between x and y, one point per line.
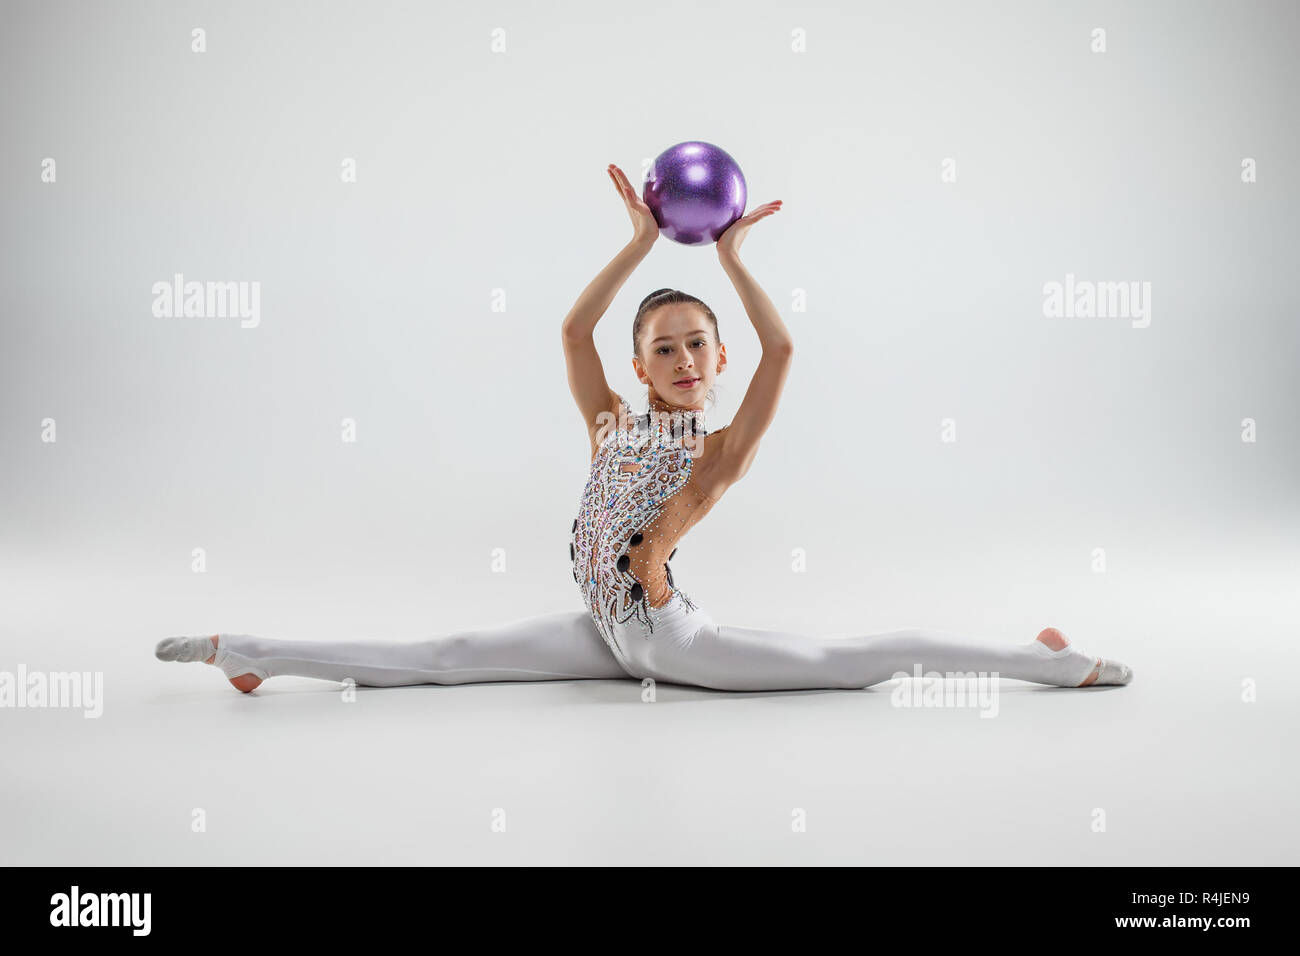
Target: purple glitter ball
695	190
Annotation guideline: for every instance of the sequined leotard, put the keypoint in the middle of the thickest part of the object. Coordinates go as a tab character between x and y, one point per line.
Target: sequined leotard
640	499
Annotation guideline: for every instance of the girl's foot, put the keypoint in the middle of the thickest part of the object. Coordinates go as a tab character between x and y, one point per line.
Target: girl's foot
1103	672
187	649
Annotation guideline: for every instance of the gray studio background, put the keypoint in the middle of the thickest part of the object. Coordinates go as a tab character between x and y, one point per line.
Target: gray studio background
479	171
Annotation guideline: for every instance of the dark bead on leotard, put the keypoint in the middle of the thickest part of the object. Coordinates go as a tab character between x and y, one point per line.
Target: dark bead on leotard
575	526
571	554
623	562
670	557
636	538
670	575
636	591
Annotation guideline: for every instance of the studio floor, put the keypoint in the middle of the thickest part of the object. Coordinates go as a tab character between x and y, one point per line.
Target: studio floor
1180	767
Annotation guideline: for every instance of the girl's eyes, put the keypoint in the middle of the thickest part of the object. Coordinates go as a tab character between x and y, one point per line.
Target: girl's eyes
661	348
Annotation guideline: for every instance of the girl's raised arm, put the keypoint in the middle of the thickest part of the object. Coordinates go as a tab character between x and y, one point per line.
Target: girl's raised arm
759	405
587	381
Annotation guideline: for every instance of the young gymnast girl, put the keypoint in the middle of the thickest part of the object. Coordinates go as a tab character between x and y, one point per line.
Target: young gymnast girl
654	475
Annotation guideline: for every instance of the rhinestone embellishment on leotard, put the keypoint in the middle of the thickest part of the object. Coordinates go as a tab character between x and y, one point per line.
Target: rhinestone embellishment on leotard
619	502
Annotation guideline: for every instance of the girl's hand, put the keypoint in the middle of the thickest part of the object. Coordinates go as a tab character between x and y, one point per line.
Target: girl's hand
729	242
646	228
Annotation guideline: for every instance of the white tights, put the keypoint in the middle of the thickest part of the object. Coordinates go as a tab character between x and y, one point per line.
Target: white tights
685	648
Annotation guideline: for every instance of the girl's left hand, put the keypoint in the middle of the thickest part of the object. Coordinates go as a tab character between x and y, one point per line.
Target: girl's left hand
729	242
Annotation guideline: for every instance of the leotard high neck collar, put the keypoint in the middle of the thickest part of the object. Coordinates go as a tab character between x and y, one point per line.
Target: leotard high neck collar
659	405
675	418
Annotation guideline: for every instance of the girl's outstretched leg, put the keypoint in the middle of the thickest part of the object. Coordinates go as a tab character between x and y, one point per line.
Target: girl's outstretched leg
741	658
563	645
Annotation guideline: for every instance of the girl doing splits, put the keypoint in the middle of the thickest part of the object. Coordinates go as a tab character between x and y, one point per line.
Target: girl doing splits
654	475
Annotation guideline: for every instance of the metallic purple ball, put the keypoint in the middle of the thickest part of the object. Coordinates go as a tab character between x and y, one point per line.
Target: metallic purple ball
695	190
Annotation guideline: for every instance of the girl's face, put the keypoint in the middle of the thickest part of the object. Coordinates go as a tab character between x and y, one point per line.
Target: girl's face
679	358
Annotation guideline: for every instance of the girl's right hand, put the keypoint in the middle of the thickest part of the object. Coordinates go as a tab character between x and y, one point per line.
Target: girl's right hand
646	228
